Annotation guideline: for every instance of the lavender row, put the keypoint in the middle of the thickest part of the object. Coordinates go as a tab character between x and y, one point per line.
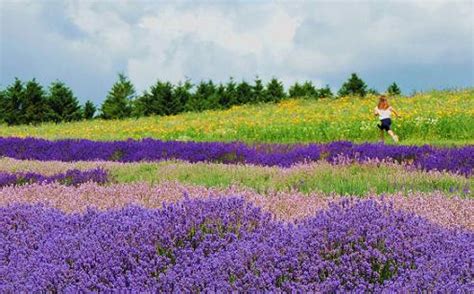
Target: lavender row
72	177
460	160
226	244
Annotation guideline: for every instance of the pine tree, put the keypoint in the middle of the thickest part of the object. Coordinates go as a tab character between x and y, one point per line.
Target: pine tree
325	92
14	102
119	101
3	102
296	91
393	90
230	96
258	91
309	90
275	91
36	108
244	93
182	94
64	106
199	101
353	86
89	110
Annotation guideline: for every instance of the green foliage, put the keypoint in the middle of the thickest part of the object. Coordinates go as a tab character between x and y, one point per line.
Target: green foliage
275	92
354	86
244	93
296	91
203	98
64	106
3	102
325	92
13	103
182	94
229	98
258	90
89	110
393	90
36	108
160	100
118	103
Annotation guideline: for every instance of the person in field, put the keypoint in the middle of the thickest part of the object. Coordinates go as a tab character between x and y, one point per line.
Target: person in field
384	111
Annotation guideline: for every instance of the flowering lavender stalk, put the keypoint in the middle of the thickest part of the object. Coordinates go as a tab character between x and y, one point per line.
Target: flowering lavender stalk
447	210
458	160
72	177
226	244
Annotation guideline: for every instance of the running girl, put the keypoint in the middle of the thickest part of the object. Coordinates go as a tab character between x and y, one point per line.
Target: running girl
384	111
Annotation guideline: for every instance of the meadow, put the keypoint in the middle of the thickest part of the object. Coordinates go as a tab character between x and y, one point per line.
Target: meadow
291	197
439	118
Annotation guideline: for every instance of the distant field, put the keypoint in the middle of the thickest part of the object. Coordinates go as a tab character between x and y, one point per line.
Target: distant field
438	117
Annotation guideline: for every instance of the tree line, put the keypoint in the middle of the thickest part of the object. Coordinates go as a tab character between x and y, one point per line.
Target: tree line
31	103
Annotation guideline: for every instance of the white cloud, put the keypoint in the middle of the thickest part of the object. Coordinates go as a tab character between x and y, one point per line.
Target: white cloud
301	40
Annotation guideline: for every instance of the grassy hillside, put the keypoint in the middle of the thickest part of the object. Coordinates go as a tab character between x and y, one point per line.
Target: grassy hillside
438	117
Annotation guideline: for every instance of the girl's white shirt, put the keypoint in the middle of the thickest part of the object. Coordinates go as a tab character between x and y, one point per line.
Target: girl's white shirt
383	113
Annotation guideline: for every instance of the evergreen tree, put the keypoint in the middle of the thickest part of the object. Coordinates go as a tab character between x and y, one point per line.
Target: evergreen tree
118	103
64	106
258	91
230	96
393	90
309	90
275	91
159	101
296	91
325	92
182	94
89	110
244	93
3	102
353	86
14	103
36	108
199	101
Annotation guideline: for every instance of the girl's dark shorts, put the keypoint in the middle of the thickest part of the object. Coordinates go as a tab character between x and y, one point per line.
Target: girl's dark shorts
385	124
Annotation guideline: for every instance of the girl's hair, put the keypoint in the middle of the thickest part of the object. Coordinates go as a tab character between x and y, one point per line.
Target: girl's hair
383	103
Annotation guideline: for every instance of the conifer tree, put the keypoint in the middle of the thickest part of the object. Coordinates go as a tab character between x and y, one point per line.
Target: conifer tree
89	110
258	91
296	91
393	90
244	93
275	91
64	106
14	103
353	86
118	103
36	108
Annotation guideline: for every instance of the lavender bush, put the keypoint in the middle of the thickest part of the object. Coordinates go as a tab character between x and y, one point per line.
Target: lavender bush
226	244
460	160
72	177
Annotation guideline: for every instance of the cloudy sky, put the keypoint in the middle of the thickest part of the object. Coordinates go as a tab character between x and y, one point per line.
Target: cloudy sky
419	44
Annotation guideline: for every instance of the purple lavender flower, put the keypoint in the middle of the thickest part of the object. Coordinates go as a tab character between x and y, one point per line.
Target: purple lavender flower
229	245
72	177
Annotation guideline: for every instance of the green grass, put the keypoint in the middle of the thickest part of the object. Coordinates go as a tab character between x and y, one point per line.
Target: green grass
322	177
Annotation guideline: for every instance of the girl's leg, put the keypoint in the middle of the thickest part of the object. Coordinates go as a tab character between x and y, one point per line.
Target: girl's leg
392	134
382	136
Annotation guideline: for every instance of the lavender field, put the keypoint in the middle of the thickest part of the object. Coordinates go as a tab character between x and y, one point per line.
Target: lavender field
150	215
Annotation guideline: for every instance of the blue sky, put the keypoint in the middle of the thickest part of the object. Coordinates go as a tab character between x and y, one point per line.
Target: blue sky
419	44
